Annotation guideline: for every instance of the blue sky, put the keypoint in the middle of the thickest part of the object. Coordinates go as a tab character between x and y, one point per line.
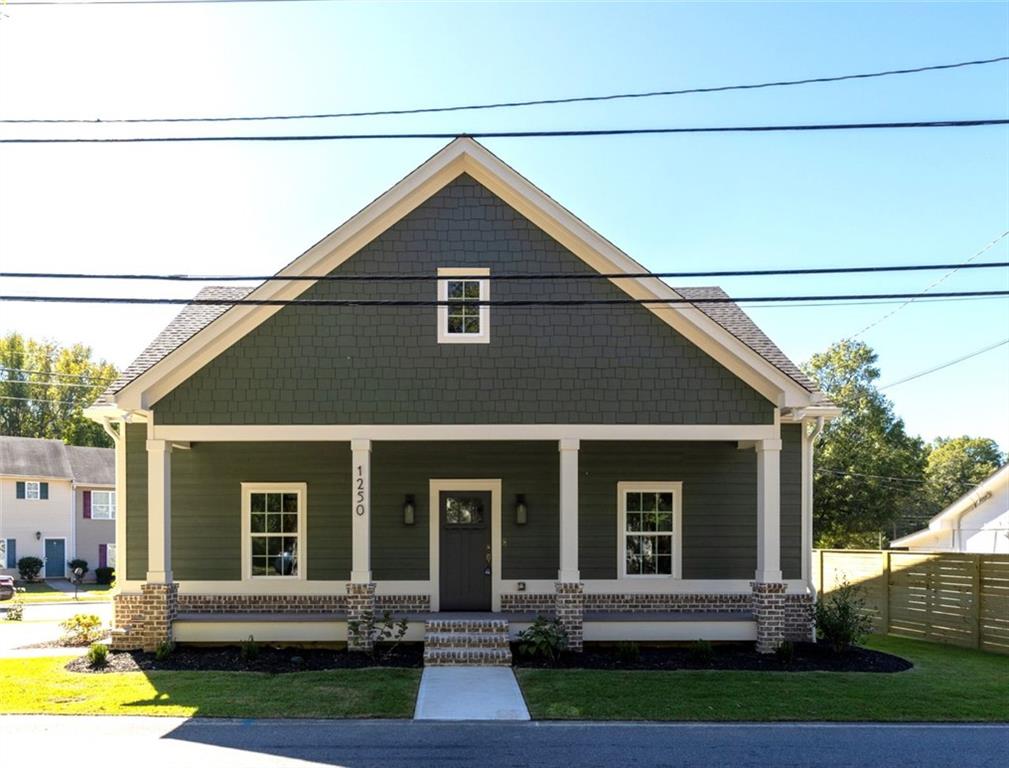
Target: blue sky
672	202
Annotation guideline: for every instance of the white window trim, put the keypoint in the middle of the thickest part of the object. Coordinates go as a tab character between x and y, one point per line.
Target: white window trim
247	490
110	554
111	505
676	488
37	485
444	337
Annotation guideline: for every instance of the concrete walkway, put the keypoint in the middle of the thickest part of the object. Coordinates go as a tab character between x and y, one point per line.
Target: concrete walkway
469	693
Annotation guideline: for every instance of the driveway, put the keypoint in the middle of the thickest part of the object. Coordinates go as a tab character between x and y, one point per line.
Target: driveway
409	744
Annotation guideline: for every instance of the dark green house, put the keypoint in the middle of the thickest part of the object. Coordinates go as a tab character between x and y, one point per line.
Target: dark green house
510	435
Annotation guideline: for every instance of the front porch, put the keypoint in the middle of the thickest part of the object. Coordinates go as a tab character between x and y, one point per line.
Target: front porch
541	525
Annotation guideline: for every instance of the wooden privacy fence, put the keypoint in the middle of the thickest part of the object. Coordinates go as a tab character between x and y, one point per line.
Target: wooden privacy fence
948	597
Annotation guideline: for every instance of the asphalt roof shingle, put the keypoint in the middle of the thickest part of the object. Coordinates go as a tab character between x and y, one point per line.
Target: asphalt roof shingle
39	457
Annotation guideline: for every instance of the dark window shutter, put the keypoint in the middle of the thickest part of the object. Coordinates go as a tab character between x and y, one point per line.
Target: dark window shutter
12	553
103	555
87	505
20	490
43	490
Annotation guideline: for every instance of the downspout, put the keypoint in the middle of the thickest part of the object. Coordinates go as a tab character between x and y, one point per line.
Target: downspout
808	544
107	426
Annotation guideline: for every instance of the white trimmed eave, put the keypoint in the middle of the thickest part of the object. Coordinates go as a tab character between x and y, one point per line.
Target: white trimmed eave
463	155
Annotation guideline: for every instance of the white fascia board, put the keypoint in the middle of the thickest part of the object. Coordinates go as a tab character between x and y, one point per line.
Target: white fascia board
462	156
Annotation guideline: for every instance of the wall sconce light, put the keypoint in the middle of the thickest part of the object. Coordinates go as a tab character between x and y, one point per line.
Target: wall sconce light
409	510
521	511
38	535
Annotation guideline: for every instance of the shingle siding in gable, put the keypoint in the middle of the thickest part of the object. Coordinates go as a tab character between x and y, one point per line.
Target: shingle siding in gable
603	365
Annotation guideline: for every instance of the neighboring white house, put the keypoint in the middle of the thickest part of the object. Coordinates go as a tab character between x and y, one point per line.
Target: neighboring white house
976	522
57	502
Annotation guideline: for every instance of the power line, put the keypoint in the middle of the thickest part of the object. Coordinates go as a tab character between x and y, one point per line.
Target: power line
889	478
485	106
221	302
155	2
521	276
35	400
53	384
890	314
5	369
517	134
946	365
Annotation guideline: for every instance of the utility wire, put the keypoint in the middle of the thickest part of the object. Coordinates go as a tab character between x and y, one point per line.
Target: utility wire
516	134
946	365
521	276
889	478
34	400
952	271
222	302
492	105
14	3
5	369
53	384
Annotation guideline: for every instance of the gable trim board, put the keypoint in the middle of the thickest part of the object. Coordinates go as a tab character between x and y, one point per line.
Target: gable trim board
462	156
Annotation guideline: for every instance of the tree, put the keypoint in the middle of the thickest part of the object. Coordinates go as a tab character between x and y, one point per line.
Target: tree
44	389
955	465
870	472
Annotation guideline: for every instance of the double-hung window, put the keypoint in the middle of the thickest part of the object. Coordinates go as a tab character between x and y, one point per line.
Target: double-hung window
273	530
650	529
462	318
103	505
31	490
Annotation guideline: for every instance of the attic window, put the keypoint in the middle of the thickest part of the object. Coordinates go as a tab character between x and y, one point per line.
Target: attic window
463	319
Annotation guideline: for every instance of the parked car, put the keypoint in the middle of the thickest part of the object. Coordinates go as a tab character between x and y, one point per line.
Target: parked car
6	587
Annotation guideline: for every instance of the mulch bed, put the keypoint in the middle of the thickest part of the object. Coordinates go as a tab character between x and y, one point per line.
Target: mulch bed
807	657
267	659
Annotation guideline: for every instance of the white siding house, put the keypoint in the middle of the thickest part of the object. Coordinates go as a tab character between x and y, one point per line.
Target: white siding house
976	522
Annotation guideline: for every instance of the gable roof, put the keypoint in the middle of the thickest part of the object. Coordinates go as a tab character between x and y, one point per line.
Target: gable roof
32	457
195	317
201	333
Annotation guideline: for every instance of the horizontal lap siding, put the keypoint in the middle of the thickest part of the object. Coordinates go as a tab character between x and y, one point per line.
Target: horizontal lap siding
136	496
383	365
791	501
719	505
207	504
398	469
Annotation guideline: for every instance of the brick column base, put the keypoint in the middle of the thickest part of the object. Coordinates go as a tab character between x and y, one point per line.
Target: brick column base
570	601
800	619
360	616
144	621
769	611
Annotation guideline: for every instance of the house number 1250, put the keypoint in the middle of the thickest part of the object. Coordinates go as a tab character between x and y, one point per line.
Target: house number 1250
360	509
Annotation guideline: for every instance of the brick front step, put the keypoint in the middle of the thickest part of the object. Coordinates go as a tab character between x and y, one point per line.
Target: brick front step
466	640
483	657
466	626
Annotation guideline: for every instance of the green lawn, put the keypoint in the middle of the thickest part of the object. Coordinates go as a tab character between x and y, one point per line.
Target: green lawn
43	686
946	684
41	592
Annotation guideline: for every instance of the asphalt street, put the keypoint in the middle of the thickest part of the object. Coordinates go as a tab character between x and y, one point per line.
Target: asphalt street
407	744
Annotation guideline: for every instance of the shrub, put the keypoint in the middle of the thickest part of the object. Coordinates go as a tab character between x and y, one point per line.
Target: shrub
785	652
628	652
164	650
16	607
78	563
81	629
702	652
249	650
387	630
841	618
105	575
98	654
29	568
544	637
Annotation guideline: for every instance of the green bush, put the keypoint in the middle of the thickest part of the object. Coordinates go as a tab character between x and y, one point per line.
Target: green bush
544	637
841	617
785	652
628	652
81	629
105	575
29	568
702	651
98	655
165	649
16	607
249	650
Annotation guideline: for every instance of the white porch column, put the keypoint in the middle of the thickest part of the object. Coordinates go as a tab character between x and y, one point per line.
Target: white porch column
360	572
159	512
569	511
768	511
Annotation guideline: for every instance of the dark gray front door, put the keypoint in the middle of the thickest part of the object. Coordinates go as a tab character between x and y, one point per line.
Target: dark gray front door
465	550
56	558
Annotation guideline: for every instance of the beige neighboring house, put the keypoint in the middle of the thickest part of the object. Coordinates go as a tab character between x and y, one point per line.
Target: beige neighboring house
57	502
976	522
